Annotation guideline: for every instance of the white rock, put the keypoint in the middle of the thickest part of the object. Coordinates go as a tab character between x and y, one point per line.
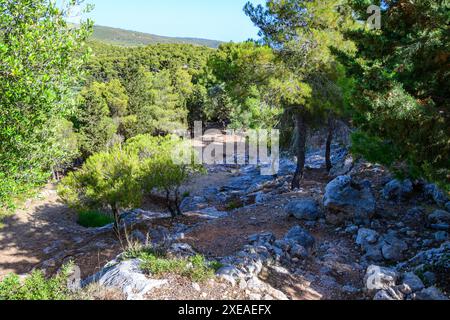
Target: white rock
127	277
380	278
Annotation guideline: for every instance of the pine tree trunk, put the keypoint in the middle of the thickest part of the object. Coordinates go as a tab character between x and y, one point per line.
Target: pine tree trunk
329	164
116	215
178	201
302	130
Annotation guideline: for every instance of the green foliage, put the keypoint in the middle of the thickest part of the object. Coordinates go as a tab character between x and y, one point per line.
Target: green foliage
195	268
93	219
165	164
41	58
400	94
36	286
107	180
246	97
134	91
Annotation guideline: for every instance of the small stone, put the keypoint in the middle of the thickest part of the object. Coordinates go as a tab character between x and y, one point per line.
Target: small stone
441	236
383	295
242	284
301	236
196	287
351	229
366	236
262	238
298	251
404	289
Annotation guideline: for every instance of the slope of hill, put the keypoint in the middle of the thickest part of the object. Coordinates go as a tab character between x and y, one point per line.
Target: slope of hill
132	38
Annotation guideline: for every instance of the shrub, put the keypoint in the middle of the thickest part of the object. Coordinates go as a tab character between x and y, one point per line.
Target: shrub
107	179
36	286
94	219
160	167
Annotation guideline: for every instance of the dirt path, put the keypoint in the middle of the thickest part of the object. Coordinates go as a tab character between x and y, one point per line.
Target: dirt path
35	232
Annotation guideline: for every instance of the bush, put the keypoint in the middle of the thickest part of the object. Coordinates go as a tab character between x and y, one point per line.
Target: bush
94	219
107	179
160	167
36	286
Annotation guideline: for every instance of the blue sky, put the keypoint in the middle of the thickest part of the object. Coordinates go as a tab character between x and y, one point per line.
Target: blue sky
212	19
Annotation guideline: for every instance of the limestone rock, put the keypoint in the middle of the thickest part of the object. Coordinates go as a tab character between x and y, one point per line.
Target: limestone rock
306	209
354	199
127	277
398	190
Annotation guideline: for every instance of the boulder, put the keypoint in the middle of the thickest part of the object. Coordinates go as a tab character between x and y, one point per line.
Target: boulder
380	278
193	204
413	281
393	248
398	190
306	209
431	293
433	192
354	199
301	237
127	277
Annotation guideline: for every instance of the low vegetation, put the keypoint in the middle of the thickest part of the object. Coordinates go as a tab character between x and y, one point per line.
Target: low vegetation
94	219
158	264
36	286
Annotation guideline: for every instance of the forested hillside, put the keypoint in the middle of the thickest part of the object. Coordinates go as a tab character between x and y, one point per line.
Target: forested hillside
129	38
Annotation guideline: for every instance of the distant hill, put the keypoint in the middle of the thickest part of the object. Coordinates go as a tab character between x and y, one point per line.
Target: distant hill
132	38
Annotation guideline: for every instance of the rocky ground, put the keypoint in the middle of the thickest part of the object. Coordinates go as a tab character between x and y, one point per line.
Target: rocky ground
353	234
